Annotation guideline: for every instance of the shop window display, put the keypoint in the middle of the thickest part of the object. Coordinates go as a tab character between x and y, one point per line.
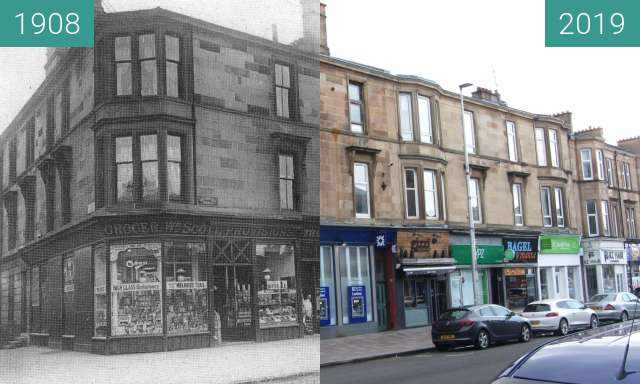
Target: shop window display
186	288
355	278
327	288
277	295
136	297
100	292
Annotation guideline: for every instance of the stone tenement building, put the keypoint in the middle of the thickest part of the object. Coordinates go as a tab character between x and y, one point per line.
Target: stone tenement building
159	191
394	218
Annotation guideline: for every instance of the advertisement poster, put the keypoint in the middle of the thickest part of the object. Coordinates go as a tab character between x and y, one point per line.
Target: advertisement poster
357	304
325	310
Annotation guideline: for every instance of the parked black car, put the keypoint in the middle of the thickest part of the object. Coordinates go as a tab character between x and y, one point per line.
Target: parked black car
596	356
479	325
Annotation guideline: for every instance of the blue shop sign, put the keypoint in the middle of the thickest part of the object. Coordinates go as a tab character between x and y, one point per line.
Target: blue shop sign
325	308
357	304
380	238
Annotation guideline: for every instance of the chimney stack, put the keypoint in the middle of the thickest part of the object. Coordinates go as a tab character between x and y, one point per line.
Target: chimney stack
631	144
487	95
310	25
97	7
324	48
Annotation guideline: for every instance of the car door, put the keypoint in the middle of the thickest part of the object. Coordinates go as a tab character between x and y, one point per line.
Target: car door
567	312
580	314
509	325
489	318
631	304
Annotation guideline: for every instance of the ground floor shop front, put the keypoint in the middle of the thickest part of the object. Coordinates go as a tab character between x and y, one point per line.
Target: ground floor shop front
150	283
605	265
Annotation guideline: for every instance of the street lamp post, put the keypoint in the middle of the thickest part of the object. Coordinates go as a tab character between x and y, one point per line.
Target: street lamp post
472	230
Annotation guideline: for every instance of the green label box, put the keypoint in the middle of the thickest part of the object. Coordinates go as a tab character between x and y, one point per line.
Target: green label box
592	23
46	23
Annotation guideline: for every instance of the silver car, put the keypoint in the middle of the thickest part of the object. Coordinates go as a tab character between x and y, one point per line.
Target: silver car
559	316
620	306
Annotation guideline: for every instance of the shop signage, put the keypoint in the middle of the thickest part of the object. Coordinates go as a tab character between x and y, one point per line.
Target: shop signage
101	290
325	310
486	254
514	271
357	304
276	285
525	250
610	256
562	244
593	257
136	287
200	229
423	245
187	285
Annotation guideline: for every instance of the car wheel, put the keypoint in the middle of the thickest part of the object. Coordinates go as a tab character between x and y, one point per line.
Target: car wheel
525	333
624	317
593	323
483	340
563	328
442	347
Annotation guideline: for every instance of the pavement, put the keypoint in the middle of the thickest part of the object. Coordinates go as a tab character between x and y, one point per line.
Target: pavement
351	349
289	361
460	366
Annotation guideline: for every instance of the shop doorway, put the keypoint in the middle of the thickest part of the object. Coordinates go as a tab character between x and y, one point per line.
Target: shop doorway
437	296
497	289
232	299
381	301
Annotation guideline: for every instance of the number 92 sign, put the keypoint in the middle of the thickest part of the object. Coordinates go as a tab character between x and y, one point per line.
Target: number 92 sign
46	23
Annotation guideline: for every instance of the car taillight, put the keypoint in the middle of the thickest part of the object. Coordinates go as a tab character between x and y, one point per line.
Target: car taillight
609	307
551	314
466	323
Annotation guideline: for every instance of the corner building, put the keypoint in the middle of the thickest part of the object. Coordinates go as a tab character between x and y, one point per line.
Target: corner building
159	190
394	219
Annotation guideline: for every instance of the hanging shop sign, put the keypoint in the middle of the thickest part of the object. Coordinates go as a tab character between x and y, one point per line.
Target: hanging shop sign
486	254
325	314
560	244
525	250
423	245
357	304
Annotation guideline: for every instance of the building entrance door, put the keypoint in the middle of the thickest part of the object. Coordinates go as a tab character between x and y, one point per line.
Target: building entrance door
232	300
381	301
438	296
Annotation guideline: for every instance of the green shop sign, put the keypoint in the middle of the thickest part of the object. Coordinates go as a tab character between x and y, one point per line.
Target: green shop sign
564	244
487	254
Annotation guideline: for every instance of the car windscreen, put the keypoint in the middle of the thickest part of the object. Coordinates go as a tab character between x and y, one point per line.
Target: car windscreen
454	314
603	297
537	308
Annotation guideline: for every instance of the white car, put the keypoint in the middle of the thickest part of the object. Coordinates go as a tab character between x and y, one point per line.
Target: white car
559	316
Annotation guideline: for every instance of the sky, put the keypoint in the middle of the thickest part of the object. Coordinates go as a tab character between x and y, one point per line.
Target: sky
486	43
23	68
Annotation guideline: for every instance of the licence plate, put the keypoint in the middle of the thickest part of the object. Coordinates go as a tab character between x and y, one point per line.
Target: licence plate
535	322
596	308
447	337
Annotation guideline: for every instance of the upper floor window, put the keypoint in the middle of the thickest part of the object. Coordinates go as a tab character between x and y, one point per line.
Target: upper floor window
430	195
600	164
149	162
469	132
124	168
356	111
476	205
147	63
631	222
124	81
587	166
512	141
174	166
411	193
626	176
406	117
286	181
605	218
283	90
172	56
553	148
424	117
592	217
559	206
541	147
361	190
610	173
614	220
517	204
547	219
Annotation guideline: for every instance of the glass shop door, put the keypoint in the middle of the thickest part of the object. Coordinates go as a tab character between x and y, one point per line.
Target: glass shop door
232	302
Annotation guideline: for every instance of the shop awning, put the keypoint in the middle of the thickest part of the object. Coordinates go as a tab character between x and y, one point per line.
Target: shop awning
427	270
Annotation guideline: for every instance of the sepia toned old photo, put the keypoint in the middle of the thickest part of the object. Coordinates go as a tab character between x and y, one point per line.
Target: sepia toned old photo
159	213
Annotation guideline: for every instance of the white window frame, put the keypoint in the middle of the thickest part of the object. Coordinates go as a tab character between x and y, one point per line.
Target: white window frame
631	222
610	174
600	164
518	210
553	148
584	161
476	198
469	132
541	147
614	220
606	225
594	216
424	119
559	206
415	193
406	132
359	127
366	184
430	193
512	140
626	175
545	195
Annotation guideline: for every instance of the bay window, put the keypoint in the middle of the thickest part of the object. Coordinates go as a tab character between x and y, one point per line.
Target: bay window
600	163
124	168
553	148
174	166
430	195
406	117
626	176
149	161
172	56
541	147
610	174
411	193
559	207
424	117
605	218
124	82
587	167
547	220
592	217
147	64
